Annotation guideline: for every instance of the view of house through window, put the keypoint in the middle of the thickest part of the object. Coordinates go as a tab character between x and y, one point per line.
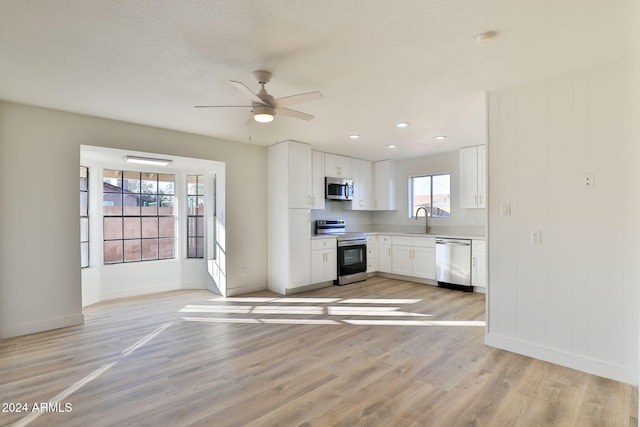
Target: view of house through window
195	216
84	217
139	218
433	192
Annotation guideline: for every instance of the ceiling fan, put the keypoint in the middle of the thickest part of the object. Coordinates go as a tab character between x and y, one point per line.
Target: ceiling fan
264	106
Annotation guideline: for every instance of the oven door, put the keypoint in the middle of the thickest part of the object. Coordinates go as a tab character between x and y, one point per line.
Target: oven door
352	258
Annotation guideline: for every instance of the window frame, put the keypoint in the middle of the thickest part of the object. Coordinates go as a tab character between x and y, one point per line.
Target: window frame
85	217
410	205
199	216
141	215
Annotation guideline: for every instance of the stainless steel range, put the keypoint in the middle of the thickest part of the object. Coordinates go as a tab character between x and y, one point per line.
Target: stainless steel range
352	251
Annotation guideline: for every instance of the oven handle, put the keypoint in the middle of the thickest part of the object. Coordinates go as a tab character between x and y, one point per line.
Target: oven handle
352	243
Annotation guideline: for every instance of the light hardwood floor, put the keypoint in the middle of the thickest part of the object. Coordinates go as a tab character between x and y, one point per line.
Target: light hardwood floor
378	353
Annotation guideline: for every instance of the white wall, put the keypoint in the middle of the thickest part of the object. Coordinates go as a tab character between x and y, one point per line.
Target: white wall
39	227
574	298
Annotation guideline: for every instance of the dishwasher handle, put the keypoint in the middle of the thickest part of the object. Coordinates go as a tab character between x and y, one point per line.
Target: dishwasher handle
453	242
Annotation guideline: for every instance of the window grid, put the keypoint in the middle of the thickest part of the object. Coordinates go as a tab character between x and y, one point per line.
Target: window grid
139	221
195	216
84	217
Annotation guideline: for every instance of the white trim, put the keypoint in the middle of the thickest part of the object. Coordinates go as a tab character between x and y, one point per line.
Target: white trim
41	325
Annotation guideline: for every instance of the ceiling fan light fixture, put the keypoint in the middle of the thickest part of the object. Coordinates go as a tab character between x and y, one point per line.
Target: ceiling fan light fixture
262	114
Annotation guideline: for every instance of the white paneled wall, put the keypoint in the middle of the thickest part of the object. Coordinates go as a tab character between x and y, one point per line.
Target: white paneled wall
573	298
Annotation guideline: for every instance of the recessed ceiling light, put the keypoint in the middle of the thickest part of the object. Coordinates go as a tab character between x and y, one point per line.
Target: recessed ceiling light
402	124
440	137
392	146
354	136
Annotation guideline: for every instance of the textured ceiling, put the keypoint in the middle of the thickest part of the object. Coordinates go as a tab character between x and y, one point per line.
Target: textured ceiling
376	62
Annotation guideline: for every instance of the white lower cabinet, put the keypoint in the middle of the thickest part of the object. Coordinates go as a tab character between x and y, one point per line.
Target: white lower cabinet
324	260
414	256
384	254
479	263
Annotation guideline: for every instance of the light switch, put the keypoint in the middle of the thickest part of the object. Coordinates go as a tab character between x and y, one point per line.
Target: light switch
505	209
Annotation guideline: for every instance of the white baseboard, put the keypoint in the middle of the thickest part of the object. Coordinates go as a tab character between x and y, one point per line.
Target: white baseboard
569	360
141	290
41	325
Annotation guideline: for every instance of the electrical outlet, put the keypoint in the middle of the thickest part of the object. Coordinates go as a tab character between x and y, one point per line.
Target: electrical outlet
243	271
536	237
588	181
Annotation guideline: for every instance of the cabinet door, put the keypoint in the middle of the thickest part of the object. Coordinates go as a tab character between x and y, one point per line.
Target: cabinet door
337	166
299	247
424	262
317	180
331	265
384	258
478	263
299	175
402	260
362	183
317	266
469	177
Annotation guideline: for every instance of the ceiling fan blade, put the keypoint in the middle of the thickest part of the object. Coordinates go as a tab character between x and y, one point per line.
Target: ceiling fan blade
293	113
298	99
242	88
221	106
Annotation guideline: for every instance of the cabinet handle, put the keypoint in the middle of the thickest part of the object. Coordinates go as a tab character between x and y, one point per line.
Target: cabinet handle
475	200
480	199
473	261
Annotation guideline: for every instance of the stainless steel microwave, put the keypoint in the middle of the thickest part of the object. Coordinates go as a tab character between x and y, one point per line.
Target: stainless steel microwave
338	189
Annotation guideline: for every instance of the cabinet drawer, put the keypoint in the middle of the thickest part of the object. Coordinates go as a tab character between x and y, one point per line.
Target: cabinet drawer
371	240
424	242
329	243
479	245
402	240
386	240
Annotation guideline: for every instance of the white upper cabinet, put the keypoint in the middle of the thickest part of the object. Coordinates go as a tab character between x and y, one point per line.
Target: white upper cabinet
317	180
337	166
384	176
362	185
473	183
299	175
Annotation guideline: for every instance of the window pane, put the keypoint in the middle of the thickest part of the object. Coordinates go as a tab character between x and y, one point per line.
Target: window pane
149	183
149	227
84	229
192	230
131	182
167	248
132	228
167	226
200	227
149	249
84	173
112	251
112	229
131	204
149	204
200	205
192	247
421	186
192	185
112	203
165	205
132	250
84	254
192	205
111	181
200	247
83	203
441	195
166	184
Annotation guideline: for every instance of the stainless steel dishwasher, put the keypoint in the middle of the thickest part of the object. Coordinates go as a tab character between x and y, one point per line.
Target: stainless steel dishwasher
453	263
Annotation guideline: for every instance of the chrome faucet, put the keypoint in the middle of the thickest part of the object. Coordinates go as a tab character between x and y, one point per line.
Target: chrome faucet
426	218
